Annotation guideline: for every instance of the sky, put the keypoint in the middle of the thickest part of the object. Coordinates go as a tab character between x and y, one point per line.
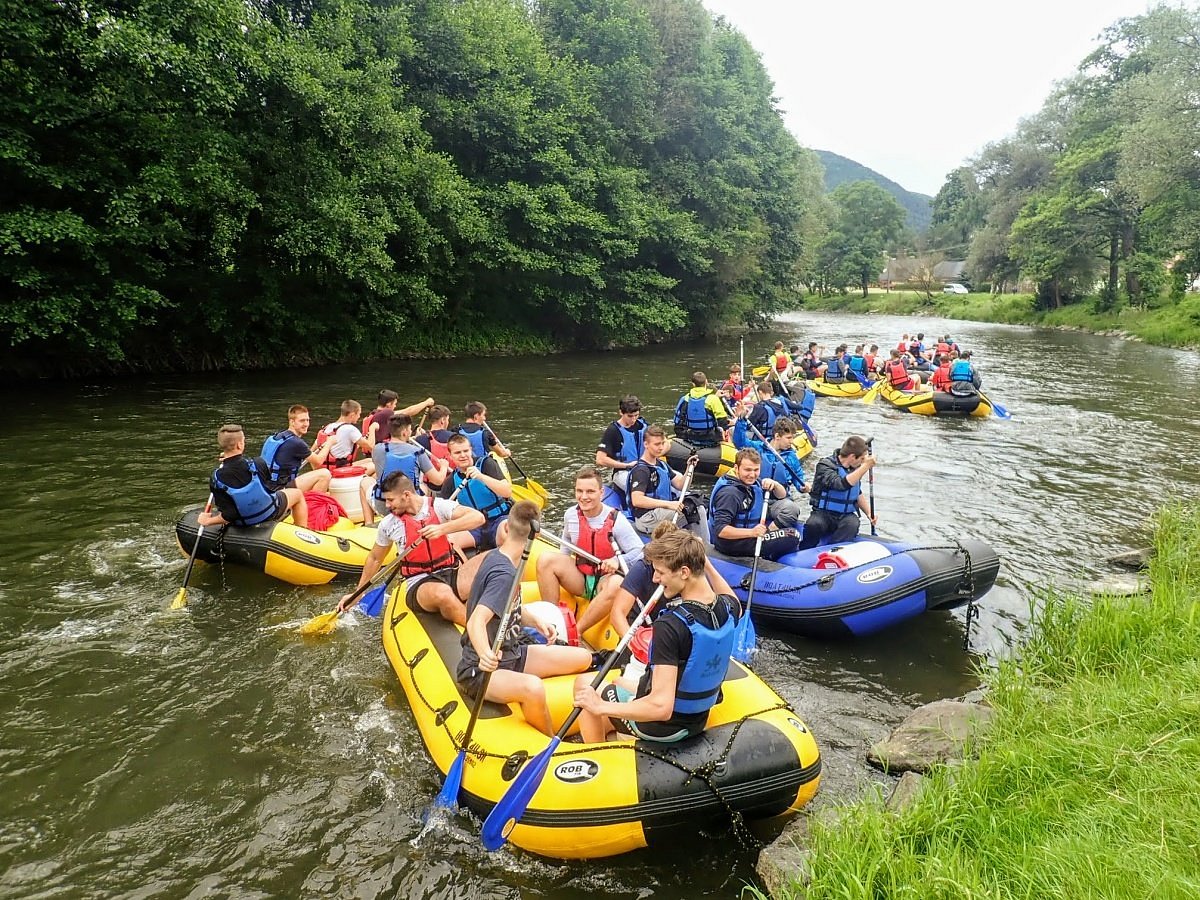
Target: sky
914	89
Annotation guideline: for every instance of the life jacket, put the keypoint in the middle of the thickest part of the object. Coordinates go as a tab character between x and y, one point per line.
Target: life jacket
699	683
810	361
941	377
408	463
751	505
960	370
427	554
478	444
693	413
781	360
915	348
660	484
858	364
271	445
255	504
896	372
777	470
869	360
737	390
596	541
773	410
331	461
803	408
835	369
323	511
478	495
632	440
438	449
943	347
839	502
902	347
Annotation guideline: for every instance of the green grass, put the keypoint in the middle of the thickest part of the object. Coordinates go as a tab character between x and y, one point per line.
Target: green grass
1085	785
1175	325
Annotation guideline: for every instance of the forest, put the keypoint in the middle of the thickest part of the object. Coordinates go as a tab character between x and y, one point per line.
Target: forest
207	184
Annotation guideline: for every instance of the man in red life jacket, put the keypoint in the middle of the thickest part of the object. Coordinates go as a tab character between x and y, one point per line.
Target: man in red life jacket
941	376
347	439
896	374
594	527
436	439
432	566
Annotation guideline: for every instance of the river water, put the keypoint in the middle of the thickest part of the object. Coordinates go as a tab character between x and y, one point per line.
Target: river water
212	751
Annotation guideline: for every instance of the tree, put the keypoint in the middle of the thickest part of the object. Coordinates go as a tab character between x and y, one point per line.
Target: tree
867	220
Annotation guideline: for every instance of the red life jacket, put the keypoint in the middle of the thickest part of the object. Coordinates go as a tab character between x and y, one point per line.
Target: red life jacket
943	347
332	462
437	449
781	361
428	554
595	541
896	373
902	346
941	378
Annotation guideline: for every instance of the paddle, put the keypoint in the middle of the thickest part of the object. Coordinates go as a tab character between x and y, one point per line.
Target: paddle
326	622
787	397
996	407
180	600
534	486
447	797
745	638
873	392
760	371
758	434
871	488
509	809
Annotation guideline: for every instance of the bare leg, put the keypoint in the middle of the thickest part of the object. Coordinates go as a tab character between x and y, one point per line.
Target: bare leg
299	509
316	480
433	596
507	686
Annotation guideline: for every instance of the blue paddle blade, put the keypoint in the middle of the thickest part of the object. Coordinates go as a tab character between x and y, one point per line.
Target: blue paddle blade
506	813
1001	411
745	639
372	601
447	797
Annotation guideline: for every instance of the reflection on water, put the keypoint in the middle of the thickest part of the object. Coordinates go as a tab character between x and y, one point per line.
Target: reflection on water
213	750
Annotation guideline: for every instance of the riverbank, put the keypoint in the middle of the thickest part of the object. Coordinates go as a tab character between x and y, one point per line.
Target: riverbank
1084	783
1168	326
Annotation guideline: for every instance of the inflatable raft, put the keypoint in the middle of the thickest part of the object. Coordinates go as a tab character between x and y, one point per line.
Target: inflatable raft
863	587
849	389
716	461
928	402
756	759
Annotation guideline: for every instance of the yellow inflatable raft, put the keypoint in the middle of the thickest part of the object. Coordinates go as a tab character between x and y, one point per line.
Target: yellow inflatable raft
757	759
848	389
928	402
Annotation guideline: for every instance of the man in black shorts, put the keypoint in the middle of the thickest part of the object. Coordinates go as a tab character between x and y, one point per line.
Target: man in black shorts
242	491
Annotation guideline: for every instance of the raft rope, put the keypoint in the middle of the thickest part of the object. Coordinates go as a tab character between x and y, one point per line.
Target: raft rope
966	588
219	553
514	761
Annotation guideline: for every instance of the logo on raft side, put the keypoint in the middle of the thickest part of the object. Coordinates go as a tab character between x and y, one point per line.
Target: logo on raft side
878	573
576	771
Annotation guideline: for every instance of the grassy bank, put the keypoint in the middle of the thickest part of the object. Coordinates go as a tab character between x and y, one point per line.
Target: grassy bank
1167	326
1085	786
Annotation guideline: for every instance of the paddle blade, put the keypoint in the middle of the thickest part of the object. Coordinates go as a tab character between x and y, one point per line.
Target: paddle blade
537	488
522	492
506	813
322	624
372	601
869	396
745	638
760	371
447	797
180	600
1001	411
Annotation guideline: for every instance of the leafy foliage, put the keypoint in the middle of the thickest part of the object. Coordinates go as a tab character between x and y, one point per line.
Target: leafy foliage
215	183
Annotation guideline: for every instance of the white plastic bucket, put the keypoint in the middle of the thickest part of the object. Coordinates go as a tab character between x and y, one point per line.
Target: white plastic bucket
343	487
851	555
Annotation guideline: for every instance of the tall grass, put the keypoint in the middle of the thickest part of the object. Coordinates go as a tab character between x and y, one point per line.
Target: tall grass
1086	783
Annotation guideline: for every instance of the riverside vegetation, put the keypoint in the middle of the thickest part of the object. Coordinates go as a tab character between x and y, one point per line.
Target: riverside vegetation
1084	783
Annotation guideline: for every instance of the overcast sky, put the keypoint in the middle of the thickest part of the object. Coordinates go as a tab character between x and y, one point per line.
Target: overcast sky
913	89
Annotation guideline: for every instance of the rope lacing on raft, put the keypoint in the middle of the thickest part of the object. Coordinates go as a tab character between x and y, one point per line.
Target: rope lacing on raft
514	761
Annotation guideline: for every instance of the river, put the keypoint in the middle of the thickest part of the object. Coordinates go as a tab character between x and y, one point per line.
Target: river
150	753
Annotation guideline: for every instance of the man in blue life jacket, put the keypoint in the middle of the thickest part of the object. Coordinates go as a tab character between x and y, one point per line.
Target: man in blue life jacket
621	444
399	453
735	509
484	488
653	485
964	378
779	463
475	429
837	368
240	489
857	365
692	642
837	496
286	452
700	416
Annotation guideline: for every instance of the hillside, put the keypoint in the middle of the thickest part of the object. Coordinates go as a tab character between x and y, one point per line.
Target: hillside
839	170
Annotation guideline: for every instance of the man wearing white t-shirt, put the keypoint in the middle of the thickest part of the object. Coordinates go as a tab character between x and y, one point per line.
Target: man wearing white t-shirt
431	567
347	439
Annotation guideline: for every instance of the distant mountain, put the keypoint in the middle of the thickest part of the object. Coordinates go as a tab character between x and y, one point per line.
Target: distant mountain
839	170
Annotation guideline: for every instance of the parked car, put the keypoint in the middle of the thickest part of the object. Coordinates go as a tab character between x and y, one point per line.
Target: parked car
954	289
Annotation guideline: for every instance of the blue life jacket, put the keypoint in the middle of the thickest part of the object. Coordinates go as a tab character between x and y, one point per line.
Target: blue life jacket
660	484
775	469
270	447
751	507
774	408
633	440
478	441
478	495
255	504
803	408
834	368
858	364
960	370
693	413
839	502
408	463
699	683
